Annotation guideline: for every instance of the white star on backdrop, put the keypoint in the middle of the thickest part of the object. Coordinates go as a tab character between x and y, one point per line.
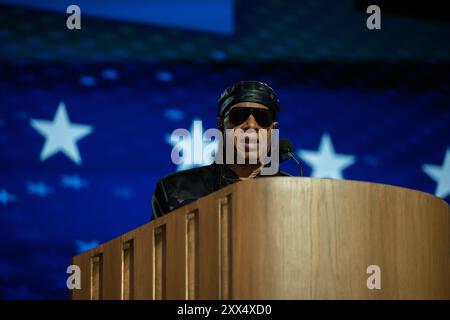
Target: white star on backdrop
6	197
325	162
39	188
74	182
83	246
441	175
61	135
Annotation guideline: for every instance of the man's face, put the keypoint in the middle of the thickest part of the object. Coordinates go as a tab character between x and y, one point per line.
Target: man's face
245	116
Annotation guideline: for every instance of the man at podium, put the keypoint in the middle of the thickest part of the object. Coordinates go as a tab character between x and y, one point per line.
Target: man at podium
244	105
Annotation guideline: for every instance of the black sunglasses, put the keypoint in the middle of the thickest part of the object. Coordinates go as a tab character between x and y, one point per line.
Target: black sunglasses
239	115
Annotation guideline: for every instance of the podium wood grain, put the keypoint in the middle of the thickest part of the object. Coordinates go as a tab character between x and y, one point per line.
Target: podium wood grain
282	238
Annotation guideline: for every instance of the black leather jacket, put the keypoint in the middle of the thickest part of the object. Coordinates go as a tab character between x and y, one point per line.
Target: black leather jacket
186	186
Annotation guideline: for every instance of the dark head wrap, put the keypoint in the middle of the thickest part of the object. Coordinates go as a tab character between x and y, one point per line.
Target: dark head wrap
248	91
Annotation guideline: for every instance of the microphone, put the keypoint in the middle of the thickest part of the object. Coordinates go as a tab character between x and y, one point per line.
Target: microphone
286	153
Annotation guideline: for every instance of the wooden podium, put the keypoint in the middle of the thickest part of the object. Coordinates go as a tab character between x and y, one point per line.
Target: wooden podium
281	238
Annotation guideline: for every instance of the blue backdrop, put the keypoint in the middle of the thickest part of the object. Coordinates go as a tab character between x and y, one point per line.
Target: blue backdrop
85	114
